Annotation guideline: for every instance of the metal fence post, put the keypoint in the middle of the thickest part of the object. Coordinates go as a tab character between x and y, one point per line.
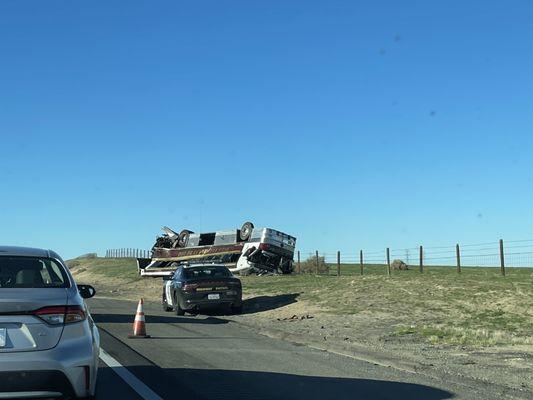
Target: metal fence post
299	265
338	263
502	258
316	263
458	255
388	261
361	260
421	259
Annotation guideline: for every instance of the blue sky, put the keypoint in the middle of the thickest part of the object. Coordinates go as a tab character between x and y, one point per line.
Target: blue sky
348	124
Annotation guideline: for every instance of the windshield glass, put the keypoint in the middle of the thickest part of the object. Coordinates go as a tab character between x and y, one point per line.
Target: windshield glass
31	272
207	272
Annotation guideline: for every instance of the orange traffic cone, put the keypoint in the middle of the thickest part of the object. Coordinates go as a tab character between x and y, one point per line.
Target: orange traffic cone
139	325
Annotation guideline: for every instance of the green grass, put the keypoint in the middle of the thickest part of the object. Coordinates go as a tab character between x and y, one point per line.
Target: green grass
478	306
108	267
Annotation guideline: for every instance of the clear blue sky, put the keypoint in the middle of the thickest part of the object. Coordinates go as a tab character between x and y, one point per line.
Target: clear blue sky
348	124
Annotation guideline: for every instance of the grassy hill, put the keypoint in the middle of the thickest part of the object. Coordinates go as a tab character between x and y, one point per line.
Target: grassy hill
477	307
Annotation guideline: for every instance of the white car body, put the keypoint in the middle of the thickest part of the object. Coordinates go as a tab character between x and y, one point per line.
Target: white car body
49	344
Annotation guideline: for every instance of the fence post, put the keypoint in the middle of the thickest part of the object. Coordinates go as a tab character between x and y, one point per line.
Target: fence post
316	263
502	258
458	254
361	260
338	263
299	266
421	259
388	261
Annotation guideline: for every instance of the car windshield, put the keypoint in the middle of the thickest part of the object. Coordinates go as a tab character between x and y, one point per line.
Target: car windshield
31	272
207	272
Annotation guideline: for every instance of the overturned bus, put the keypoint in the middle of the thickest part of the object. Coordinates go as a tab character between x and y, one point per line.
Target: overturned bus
242	250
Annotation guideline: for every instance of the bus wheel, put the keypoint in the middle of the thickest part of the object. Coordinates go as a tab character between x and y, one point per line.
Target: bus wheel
246	231
183	238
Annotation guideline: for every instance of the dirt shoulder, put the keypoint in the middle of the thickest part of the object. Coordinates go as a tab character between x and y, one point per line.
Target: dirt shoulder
377	321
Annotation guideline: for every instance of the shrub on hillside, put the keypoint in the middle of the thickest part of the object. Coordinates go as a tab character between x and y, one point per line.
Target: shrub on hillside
308	266
399	265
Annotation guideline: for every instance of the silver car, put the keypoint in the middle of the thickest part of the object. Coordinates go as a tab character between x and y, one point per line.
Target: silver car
49	344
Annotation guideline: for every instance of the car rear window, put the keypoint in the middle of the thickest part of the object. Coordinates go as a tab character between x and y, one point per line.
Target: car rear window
207	272
31	272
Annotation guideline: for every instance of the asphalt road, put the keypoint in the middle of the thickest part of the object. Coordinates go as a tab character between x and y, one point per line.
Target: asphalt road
208	357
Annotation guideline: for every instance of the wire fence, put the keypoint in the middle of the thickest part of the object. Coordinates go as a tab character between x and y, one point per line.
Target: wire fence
128	253
512	253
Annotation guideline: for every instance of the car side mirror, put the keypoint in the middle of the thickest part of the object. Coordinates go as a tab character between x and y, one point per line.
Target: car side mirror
86	291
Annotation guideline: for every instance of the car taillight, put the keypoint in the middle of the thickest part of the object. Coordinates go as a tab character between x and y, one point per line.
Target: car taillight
57	315
191	287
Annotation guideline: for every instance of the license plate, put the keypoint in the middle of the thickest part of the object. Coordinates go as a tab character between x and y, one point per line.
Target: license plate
3	337
213	296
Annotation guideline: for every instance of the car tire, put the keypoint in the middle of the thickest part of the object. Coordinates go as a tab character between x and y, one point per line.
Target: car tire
246	231
236	309
179	311
166	307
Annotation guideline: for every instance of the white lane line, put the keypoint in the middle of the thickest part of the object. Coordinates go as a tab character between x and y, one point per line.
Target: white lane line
142	390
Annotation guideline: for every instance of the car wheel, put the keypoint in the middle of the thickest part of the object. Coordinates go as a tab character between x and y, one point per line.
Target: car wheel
179	311
236	309
166	307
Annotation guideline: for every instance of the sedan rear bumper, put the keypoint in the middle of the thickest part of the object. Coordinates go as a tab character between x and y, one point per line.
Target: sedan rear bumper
28	384
66	368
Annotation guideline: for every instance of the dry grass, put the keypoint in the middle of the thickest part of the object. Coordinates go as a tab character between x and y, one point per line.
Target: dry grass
478	307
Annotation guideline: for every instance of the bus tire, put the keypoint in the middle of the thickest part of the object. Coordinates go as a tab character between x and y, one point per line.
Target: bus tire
183	238
246	231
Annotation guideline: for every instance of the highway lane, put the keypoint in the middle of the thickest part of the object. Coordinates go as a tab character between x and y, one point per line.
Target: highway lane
208	357
111	386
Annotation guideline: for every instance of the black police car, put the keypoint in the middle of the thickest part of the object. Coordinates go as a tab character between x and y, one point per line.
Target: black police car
196	287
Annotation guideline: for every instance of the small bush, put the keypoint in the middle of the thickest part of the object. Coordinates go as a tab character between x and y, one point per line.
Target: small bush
309	266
